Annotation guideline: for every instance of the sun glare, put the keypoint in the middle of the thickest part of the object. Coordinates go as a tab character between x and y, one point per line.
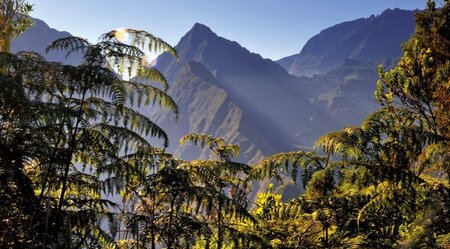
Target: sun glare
121	35
148	62
145	60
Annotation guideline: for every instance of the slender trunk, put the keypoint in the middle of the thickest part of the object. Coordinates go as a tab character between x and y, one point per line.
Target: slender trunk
137	234
73	144
328	158
153	238
69	231
47	176
47	216
6	43
170	241
219	227
152	229
52	158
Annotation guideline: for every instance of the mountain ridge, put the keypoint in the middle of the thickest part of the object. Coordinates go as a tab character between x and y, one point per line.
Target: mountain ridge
258	90
38	37
207	108
225	90
365	39
249	78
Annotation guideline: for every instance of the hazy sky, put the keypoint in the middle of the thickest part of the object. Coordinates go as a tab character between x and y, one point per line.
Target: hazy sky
272	28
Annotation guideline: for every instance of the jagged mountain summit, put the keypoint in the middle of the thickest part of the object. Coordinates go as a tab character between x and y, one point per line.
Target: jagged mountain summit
225	90
263	90
38	37
371	39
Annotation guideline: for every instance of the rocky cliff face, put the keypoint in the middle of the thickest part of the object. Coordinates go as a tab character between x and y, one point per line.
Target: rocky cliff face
262	89
224	90
205	107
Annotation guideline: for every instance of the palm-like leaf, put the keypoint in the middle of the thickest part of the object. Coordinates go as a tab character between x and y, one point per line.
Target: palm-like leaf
142	39
278	165
218	147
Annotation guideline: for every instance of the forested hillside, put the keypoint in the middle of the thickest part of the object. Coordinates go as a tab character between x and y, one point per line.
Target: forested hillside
85	159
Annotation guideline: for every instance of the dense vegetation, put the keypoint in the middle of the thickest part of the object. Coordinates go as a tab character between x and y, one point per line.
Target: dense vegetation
78	170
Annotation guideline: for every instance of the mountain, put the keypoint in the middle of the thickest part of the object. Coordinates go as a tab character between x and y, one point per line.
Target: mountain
205	107
347	92
38	37
274	105
370	39
225	90
272	111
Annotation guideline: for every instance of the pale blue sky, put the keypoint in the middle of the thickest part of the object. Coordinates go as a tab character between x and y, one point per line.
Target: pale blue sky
272	28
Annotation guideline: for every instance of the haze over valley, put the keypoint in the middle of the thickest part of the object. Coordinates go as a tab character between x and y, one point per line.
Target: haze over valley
266	106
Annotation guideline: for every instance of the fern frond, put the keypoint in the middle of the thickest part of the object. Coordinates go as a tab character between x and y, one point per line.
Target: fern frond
217	146
152	95
211	168
70	44
142	39
290	162
203	140
129	137
150	74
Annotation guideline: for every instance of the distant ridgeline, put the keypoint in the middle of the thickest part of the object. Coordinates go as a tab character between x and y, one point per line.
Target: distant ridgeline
266	107
38	37
279	106
337	151
373	39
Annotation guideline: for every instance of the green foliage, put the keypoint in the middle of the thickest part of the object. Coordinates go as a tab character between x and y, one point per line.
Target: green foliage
421	81
67	127
75	157
218	176
219	149
291	163
14	20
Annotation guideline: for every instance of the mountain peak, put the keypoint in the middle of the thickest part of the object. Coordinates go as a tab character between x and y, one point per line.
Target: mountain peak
199	27
200	31
396	11
366	39
38	37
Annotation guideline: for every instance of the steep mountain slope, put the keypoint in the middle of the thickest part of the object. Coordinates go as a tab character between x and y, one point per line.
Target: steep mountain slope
367	39
258	86
271	110
224	90
205	107
347	92
38	37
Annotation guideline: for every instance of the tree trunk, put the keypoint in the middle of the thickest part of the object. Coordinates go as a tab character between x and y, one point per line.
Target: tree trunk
219	227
